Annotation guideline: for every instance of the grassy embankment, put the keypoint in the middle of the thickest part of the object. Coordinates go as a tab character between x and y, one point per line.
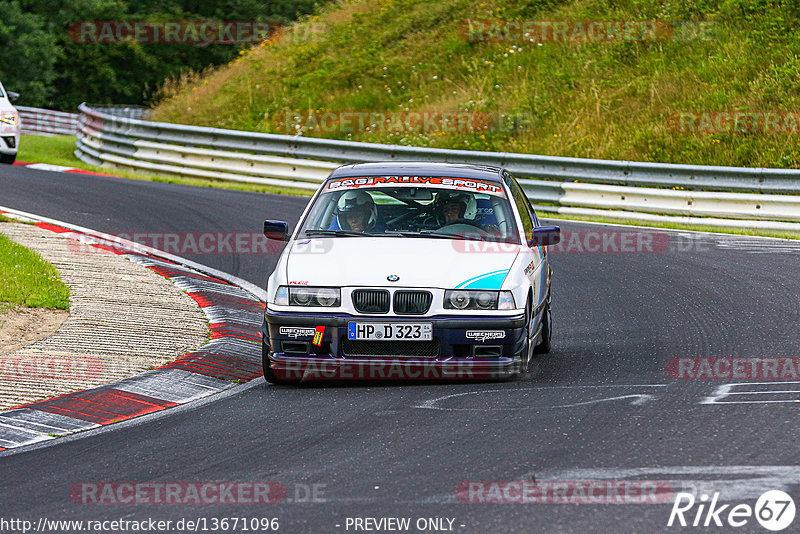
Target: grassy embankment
609	100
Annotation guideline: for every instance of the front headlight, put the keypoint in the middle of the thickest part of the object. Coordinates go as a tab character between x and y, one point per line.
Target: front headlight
461	299
326	297
9	118
282	296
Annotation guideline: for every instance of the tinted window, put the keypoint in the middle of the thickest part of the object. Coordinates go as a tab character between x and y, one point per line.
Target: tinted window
523	206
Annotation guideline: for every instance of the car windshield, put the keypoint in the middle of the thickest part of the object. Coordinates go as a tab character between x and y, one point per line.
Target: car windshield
425	207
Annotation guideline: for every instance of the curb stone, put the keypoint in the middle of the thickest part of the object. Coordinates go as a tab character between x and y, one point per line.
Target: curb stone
123	320
232	355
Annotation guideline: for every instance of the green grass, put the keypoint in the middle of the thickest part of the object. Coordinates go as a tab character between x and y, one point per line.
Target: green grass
52	149
58	150
27	279
609	100
3	219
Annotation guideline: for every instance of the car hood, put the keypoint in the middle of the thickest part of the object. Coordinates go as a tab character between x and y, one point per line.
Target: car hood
417	262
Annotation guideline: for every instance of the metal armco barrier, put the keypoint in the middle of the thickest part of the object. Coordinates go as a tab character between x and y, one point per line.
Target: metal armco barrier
722	196
121	110
47	122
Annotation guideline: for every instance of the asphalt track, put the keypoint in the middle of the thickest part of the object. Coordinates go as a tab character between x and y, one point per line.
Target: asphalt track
601	406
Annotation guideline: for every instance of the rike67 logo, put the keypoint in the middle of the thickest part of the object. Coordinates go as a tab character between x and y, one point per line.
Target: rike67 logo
774	510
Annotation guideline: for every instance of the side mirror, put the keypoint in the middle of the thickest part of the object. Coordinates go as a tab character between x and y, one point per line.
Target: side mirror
545	235
12	96
278	230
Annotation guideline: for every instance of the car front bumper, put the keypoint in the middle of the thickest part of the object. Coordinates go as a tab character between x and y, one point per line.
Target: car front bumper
451	354
9	142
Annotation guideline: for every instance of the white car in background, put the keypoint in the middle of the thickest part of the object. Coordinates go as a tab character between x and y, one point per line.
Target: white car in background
9	127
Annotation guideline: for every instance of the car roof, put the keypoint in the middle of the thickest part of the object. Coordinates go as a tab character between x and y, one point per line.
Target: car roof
419	168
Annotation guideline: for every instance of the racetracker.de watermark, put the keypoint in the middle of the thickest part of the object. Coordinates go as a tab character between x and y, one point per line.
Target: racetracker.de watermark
194	243
426	121
734	122
721	368
203	32
409	369
593	242
582	31
28	366
565	492
190	493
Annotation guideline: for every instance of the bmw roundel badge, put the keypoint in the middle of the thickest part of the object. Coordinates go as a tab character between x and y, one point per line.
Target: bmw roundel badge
393	278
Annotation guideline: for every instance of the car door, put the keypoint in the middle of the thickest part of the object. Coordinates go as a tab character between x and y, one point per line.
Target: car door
536	267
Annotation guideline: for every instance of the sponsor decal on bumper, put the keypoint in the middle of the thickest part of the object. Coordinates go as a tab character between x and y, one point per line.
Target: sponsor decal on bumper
318	333
296	331
483	335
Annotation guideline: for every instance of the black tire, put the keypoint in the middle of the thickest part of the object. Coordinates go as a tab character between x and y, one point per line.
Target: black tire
8	159
269	374
547	332
526	347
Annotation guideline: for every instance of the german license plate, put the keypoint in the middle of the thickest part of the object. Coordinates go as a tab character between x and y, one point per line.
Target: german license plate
390	331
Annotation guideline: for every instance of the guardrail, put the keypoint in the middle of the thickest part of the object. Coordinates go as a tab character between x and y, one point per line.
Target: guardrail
723	196
47	122
122	110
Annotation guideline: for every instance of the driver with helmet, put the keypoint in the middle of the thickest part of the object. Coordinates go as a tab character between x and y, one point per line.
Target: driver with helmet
356	211
450	206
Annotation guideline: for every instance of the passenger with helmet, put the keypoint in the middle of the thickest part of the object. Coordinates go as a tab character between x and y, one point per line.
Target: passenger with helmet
356	211
450	206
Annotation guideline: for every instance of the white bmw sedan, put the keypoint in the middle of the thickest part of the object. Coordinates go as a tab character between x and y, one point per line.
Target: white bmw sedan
409	270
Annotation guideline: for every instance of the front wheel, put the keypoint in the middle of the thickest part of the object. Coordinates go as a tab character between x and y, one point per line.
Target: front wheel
547	332
525	355
8	159
269	373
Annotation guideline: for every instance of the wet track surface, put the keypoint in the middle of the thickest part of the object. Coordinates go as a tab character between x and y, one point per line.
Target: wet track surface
600	406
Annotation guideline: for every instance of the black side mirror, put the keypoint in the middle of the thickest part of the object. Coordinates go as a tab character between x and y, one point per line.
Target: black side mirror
12	96
278	230
545	235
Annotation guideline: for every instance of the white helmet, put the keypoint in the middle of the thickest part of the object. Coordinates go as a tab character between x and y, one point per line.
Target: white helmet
469	207
354	201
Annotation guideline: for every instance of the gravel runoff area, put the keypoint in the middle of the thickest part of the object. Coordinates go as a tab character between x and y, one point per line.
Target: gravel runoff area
124	319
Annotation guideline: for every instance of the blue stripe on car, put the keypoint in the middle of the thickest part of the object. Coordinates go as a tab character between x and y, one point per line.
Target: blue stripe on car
491	280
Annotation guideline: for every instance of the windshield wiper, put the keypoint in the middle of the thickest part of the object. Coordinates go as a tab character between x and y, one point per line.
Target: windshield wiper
336	233
434	234
412	233
470	237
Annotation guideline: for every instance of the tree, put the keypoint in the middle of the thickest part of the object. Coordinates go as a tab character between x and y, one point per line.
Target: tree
30	52
61	72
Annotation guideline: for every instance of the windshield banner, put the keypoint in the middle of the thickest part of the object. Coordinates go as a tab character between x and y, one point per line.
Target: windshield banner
367	182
